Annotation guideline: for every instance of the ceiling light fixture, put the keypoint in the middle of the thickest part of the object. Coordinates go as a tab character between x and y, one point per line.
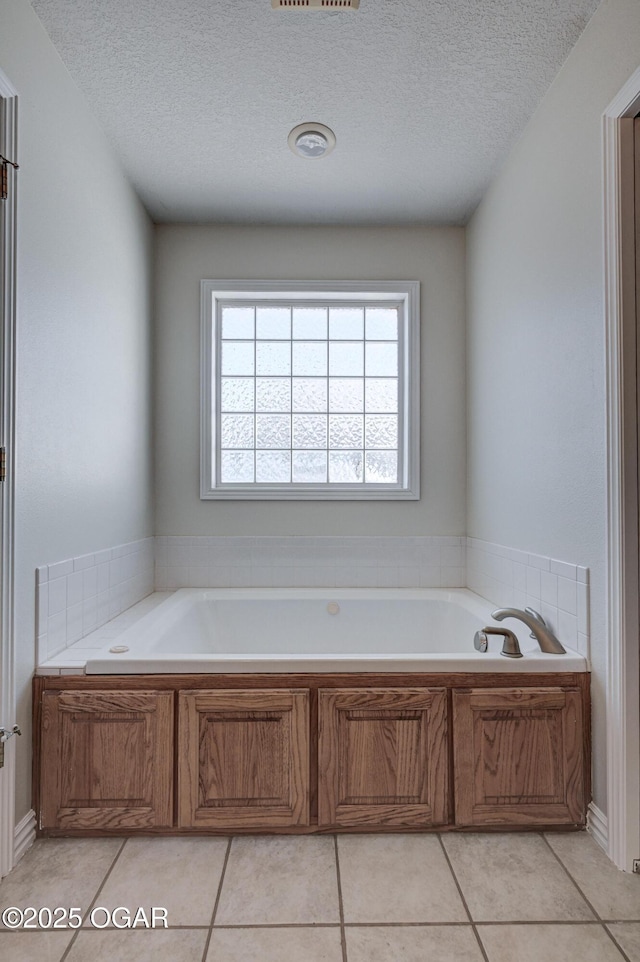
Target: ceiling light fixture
312	140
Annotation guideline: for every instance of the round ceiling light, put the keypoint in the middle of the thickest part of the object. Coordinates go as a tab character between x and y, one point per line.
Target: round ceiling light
312	140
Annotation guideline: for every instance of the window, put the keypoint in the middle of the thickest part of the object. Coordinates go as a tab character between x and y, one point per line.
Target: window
310	390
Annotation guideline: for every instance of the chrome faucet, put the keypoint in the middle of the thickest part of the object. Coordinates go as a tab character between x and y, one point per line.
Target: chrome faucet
542	633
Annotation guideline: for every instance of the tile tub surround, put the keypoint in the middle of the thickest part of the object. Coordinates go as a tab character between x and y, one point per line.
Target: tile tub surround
73	659
314	562
510	578
76	596
504	576
292	899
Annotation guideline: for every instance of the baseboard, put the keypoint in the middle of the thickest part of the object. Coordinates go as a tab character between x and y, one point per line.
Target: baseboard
598	826
24	836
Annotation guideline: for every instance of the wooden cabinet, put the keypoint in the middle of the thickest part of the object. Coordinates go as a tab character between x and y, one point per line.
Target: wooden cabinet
519	756
309	752
107	760
243	759
382	757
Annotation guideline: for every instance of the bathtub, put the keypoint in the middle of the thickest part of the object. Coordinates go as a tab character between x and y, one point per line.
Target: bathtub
319	630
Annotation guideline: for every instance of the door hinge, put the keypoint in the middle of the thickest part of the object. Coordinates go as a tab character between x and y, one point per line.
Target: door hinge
5	163
3	464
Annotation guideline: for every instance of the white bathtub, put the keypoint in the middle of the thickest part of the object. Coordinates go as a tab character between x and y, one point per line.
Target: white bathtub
319	630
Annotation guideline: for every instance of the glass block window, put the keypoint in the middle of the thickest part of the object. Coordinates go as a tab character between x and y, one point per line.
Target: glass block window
309	394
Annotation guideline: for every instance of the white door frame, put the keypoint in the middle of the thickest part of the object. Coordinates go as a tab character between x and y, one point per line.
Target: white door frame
9	132
623	636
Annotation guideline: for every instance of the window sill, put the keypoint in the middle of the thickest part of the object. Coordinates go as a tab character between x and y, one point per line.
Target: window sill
335	493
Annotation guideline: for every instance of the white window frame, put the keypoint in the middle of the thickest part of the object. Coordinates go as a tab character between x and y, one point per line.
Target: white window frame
405	293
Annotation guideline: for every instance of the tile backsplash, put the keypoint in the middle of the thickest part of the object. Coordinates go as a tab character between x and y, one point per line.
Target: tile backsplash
322	562
76	596
511	578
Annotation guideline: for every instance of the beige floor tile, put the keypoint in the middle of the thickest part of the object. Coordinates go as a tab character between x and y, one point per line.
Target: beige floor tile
280	879
179	945
513	878
627	935
59	872
397	878
275	945
33	946
179	874
613	894
542	943
446	943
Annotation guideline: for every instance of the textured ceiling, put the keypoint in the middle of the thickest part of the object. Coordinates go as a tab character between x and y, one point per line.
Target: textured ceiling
425	98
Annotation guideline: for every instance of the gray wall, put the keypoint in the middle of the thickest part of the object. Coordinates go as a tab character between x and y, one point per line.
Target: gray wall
536	403
84	338
434	256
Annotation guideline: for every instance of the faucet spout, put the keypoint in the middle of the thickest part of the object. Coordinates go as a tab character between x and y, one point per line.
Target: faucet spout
543	634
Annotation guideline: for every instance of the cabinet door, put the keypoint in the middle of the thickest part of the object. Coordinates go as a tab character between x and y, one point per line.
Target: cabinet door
383	757
107	759
518	756
244	759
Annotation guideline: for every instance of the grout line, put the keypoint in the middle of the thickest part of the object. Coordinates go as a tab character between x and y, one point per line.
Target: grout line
437	925
464	901
114	928
387	925
93	901
377	925
343	937
569	875
282	925
597	914
616	943
217	901
591	922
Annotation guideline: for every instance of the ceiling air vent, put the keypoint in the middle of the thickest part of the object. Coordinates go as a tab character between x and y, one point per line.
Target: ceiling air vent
316	4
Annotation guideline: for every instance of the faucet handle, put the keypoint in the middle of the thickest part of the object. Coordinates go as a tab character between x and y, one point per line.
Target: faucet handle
510	648
480	640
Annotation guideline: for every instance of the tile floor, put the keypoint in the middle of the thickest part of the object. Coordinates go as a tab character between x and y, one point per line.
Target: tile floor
354	898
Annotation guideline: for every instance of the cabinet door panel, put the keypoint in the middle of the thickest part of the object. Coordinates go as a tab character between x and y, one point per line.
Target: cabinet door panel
518	756
107	759
244	758
383	756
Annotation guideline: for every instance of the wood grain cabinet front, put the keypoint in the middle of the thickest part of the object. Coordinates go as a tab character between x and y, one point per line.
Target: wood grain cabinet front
107	760
243	759
309	753
519	756
383	757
